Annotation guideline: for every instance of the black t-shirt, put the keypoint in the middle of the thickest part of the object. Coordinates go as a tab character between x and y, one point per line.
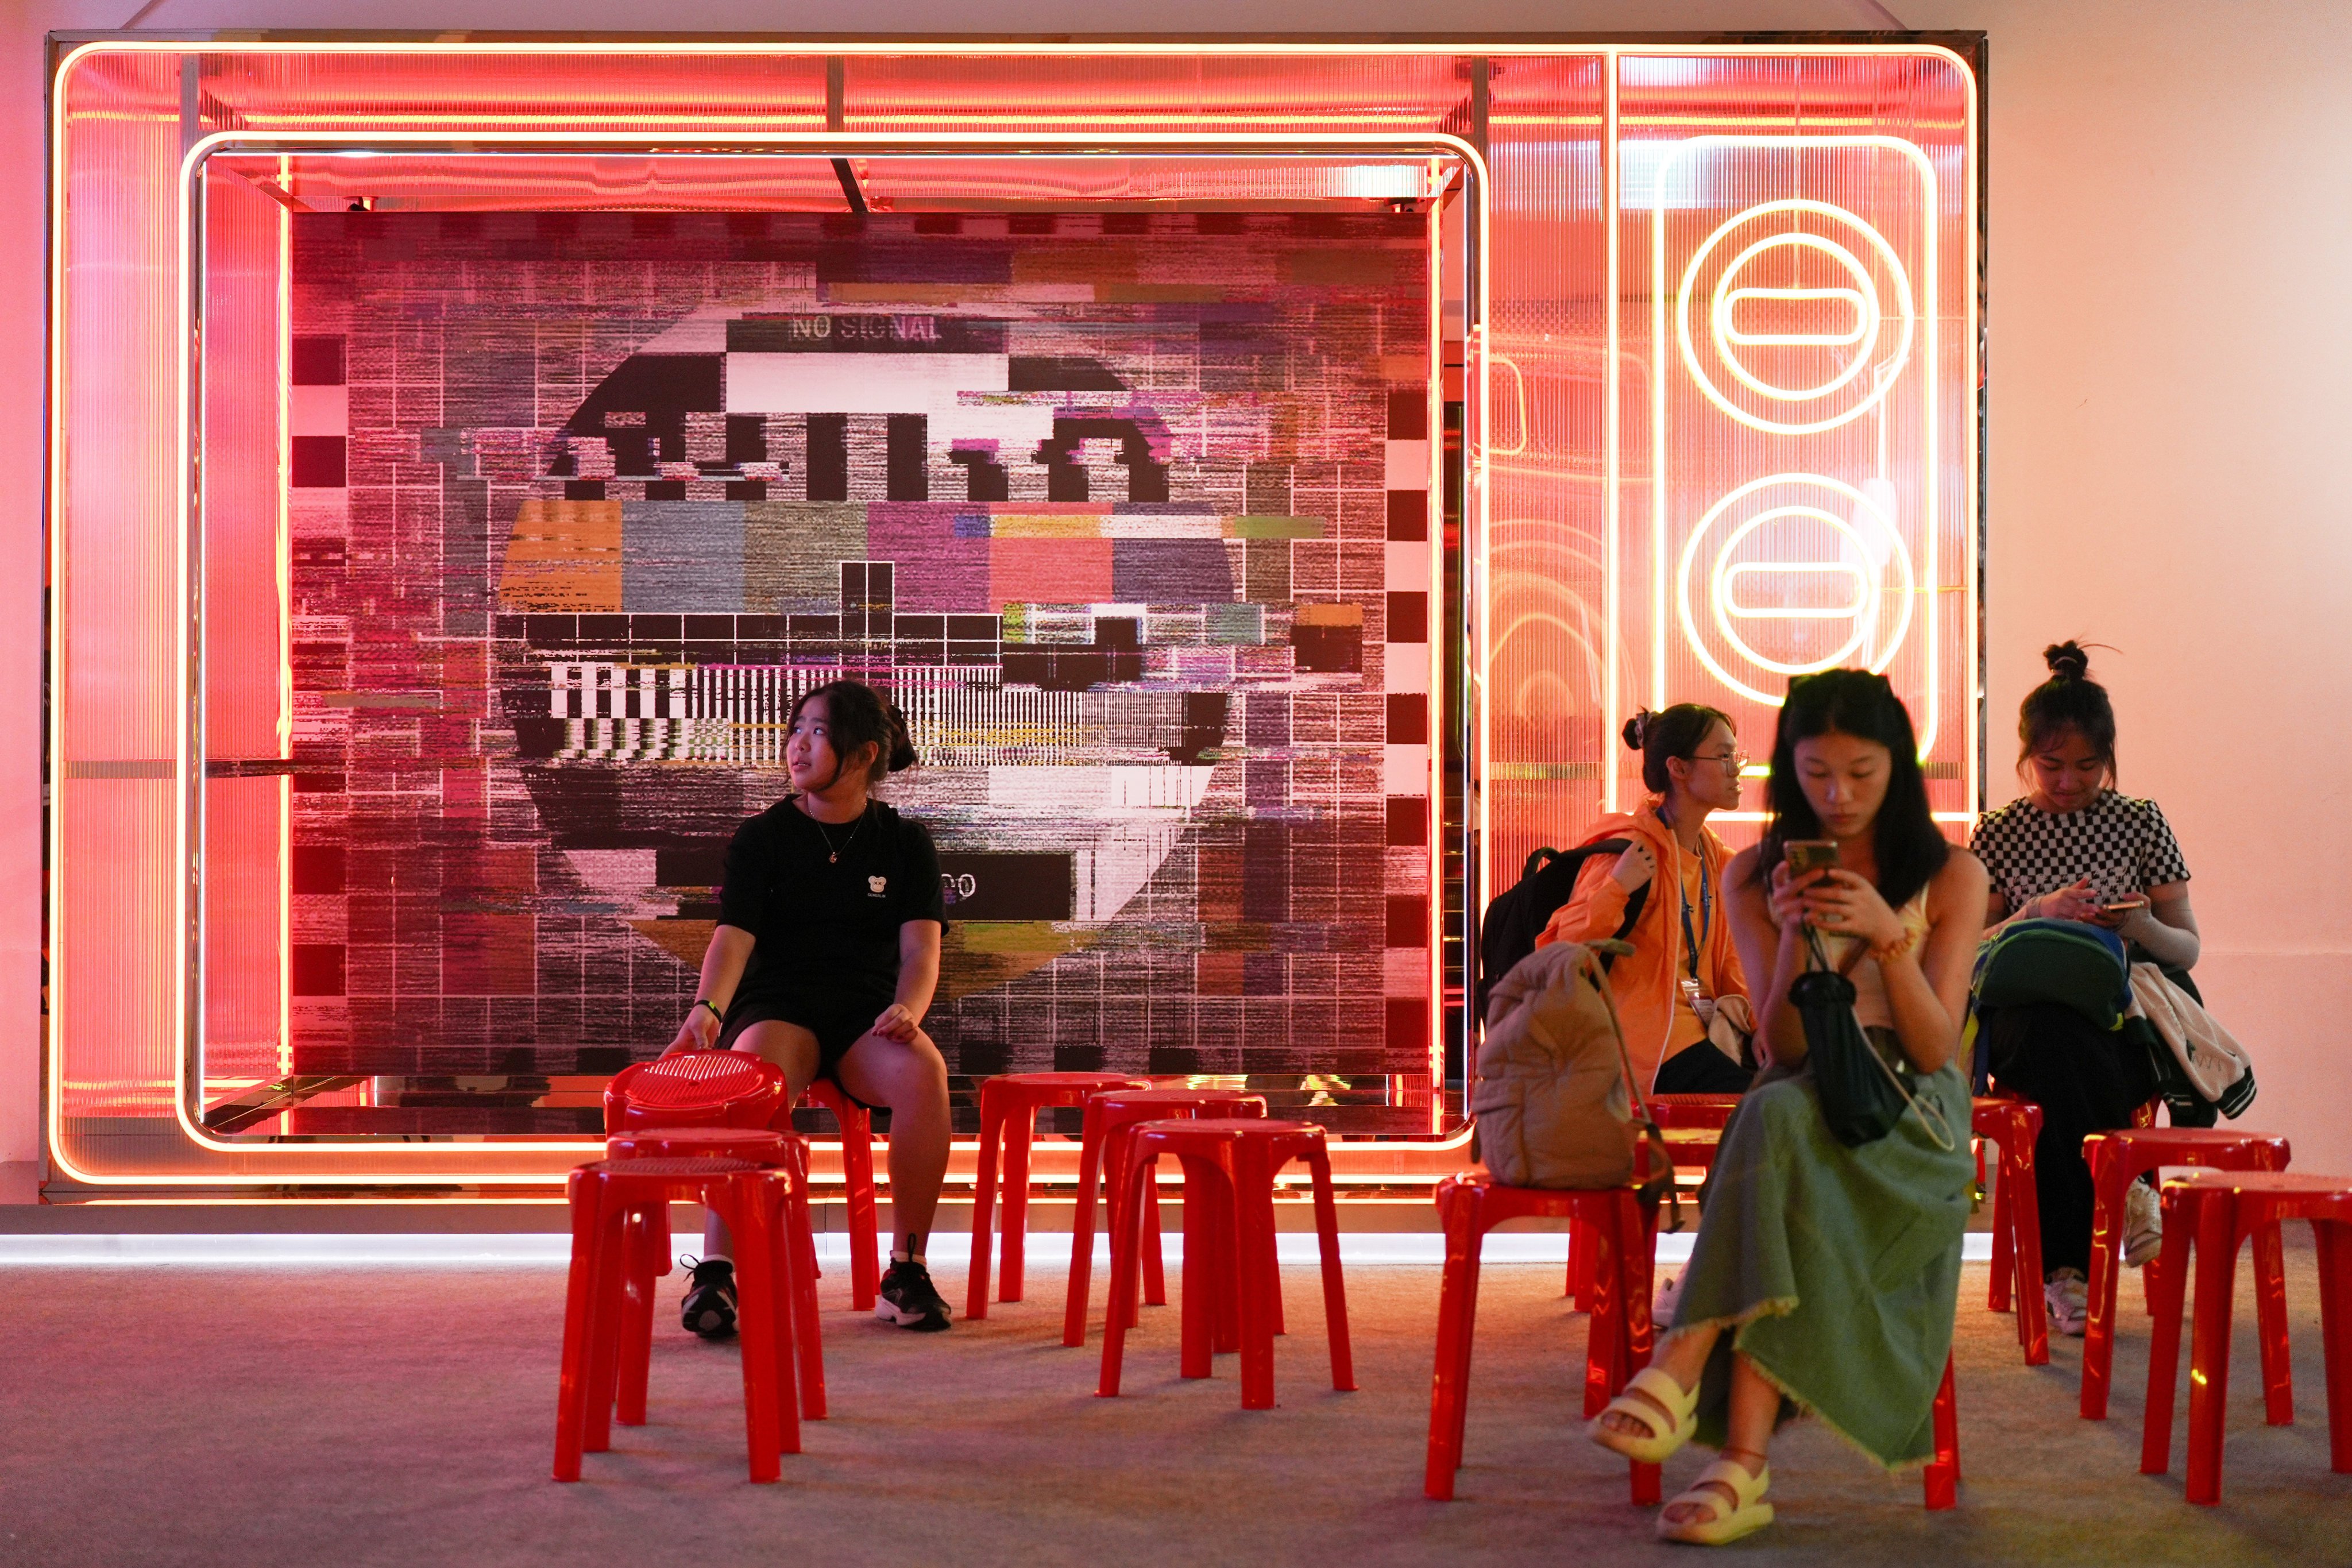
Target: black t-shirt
826	925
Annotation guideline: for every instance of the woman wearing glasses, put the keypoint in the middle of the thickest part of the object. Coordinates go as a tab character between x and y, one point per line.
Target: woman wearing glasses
1684	970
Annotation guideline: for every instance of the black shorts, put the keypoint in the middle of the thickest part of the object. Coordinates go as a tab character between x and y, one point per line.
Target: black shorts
836	1022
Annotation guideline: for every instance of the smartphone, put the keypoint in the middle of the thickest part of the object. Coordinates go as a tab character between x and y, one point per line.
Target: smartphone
1812	854
2123	906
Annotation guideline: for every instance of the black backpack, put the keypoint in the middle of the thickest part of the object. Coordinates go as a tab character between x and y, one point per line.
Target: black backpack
1516	917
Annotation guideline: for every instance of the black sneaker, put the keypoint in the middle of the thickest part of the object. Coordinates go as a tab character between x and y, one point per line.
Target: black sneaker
908	1299
709	1309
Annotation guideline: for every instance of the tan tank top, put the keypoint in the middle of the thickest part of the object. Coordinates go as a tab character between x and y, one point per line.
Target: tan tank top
1869	987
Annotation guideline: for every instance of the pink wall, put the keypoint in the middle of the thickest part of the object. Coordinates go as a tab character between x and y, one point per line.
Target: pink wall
2168	216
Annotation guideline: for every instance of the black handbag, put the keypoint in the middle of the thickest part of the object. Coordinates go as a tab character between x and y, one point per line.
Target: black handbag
1862	1098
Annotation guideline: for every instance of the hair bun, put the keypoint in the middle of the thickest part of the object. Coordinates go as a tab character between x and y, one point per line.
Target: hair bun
901	745
1637	729
2067	661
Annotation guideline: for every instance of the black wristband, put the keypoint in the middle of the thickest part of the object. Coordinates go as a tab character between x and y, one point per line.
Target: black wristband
706	1002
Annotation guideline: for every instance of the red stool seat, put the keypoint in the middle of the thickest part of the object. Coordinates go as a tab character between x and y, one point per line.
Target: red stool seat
1007	1102
2217	1211
1102	1158
1619	1240
1229	1268
757	1146
2118	1158
612	1202
2012	1125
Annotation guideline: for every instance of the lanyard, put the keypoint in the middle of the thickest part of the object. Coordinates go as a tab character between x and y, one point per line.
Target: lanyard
1705	915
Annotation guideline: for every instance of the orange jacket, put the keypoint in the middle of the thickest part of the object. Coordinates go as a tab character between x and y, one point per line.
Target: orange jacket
1647	979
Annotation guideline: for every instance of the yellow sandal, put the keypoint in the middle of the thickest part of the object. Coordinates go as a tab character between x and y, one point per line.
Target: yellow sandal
1679	1404
1747	1514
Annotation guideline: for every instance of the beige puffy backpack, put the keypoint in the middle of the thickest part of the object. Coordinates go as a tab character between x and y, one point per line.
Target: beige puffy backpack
1555	1100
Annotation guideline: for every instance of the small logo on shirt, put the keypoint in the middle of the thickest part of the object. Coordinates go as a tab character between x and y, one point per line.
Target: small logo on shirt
874	886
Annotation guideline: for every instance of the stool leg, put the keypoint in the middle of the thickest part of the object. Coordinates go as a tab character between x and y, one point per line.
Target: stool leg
1604	1326
2025	1249
1155	1265
638	1316
1334	1285
1637	1266
808	1342
2167	1289
984	1202
1252	1179
1223	1257
2004	1234
2335	1239
1203	1283
609	1320
2270	1322
755	1324
1582	1270
1458	1311
1020	1134
1125	1217
2110	1178
2209	1349
1941	1479
1082	1228
571	1386
864	1245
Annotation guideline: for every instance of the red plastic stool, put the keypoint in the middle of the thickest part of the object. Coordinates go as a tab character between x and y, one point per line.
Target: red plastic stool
857	1180
1102	1149
650	1261
695	1088
612	1202
1623	1247
2116	1159
1941	1477
738	1089
1009	1101
1694	1125
2012	1126
1229	1161
2217	1212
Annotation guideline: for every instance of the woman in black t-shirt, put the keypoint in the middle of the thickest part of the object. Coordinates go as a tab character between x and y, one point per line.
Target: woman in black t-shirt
825	960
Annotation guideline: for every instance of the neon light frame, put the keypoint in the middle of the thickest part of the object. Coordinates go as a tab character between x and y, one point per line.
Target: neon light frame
189	819
1475	454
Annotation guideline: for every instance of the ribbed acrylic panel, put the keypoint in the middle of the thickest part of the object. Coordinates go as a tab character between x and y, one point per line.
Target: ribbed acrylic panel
246	400
1796	402
115	944
1547	513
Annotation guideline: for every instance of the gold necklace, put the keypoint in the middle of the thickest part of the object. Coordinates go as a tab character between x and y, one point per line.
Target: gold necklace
835	857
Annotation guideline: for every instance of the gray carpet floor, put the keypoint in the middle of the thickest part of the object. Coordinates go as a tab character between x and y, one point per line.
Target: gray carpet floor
364	1416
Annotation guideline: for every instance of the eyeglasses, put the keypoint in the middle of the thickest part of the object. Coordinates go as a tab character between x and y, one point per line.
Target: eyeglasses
1733	759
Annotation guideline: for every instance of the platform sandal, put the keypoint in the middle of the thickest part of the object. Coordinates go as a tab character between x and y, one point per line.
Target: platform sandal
1747	1514
1678	1405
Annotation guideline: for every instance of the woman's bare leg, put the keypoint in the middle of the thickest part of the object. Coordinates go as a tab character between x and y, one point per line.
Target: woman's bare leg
910	1077
791	1048
1748	1435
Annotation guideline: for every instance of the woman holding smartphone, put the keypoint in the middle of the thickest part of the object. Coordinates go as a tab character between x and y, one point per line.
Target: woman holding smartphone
2077	848
824	961
1823	1277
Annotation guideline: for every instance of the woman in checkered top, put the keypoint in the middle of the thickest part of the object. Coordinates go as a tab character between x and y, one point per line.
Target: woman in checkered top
2077	848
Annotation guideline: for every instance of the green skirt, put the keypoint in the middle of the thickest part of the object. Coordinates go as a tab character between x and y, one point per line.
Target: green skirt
1835	1269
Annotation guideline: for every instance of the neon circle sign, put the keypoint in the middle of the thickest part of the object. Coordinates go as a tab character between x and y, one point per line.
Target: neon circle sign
1711	624
1863	298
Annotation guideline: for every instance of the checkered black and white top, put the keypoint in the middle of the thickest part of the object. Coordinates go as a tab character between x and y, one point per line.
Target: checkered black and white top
2121	843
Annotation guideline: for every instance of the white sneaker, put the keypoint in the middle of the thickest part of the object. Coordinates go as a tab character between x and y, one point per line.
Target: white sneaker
1669	1297
2068	1297
2143	1225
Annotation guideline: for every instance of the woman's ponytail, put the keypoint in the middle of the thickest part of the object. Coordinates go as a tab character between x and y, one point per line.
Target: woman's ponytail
900	747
